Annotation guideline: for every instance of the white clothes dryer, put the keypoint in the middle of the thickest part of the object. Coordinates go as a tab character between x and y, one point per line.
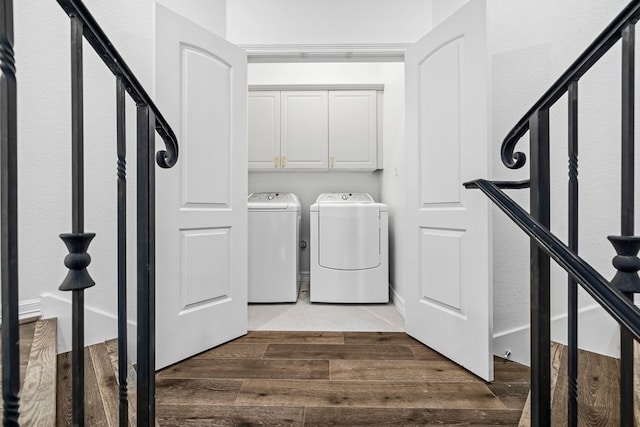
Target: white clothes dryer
349	249
274	234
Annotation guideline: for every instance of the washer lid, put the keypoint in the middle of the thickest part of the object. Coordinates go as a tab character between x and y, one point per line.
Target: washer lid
273	202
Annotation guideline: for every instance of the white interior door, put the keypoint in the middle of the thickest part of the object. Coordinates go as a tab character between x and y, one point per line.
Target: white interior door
201	87
449	262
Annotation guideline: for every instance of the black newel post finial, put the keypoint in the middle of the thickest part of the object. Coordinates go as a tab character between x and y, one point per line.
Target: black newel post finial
77	261
626	262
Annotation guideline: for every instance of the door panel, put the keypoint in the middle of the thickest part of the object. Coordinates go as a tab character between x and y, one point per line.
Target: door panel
448	229
201	202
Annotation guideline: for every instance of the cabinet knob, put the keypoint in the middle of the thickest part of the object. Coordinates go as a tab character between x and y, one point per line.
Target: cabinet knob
276	161
283	161
331	161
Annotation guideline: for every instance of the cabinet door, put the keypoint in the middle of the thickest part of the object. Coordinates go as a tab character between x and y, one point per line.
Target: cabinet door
352	130
304	142
264	130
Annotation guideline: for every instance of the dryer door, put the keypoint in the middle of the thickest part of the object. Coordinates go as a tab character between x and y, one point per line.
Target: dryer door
349	236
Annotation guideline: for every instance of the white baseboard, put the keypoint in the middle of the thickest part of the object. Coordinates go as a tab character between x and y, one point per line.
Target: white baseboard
27	309
398	302
100	325
304	277
597	332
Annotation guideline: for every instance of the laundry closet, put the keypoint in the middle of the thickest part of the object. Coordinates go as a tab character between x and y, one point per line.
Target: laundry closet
331	129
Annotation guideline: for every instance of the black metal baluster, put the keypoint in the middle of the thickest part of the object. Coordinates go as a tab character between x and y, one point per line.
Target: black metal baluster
572	362
122	251
627	245
146	266
77	242
540	272
9	219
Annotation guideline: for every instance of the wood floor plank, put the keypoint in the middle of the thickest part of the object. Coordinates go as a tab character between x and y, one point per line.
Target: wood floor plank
352	417
248	368
379	338
292	337
345	351
422	352
228	415
235	350
513	395
38	395
399	370
107	382
367	394
508	371
373	384
193	392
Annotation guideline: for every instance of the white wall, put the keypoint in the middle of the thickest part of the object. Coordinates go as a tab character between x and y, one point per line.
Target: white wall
327	21
44	157
308	185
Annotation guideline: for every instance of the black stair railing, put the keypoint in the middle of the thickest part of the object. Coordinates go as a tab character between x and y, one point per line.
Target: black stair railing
9	219
615	296
149	121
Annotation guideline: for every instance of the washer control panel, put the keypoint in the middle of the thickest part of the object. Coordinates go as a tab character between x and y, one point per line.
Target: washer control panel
272	197
345	197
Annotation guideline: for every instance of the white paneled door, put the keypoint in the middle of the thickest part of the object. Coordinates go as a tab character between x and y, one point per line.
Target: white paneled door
201	279
449	263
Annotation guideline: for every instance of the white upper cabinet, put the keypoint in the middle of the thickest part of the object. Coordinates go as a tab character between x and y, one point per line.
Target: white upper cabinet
264	129
352	129
314	130
305	133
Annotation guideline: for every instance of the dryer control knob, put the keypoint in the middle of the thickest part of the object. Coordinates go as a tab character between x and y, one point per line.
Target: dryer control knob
345	197
270	197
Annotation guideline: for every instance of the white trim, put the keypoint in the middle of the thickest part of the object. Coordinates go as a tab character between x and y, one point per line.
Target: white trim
100	325
381	52
597	332
398	301
305	277
355	86
27	309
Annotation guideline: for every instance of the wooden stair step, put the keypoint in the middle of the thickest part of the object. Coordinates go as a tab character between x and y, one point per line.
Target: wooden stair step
598	385
94	407
112	348
27	329
38	395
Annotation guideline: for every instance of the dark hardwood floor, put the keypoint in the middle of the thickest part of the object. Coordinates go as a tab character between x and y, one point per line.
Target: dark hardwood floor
334	378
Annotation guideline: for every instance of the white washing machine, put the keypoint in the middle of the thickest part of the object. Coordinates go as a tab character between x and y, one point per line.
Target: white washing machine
274	235
349	249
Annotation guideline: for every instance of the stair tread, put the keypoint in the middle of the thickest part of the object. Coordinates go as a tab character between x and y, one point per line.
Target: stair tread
106	380
112	348
95	414
38	395
598	383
